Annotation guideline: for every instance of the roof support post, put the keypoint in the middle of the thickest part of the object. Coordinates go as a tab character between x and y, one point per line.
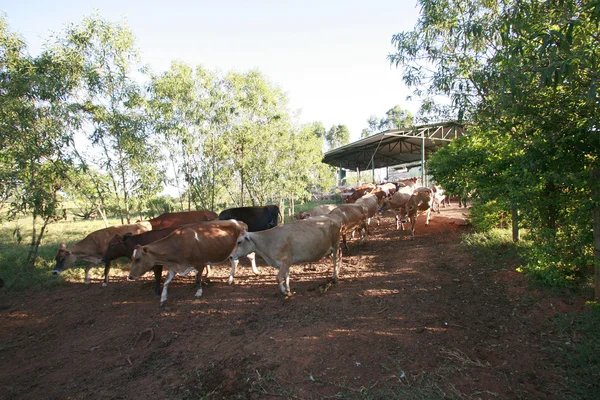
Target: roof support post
423	157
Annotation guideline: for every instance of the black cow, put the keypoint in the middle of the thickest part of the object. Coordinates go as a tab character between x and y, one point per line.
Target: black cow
122	246
257	218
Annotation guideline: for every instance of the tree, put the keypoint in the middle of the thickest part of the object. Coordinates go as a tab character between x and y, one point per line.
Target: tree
373	127
395	118
525	75
114	104
35	126
337	135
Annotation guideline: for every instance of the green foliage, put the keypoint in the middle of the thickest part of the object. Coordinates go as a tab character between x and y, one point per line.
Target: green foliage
159	205
395	118
337	135
489	215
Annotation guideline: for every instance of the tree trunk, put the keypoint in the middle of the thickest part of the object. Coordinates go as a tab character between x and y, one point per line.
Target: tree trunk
595	181
515	223
33	241
282	207
103	215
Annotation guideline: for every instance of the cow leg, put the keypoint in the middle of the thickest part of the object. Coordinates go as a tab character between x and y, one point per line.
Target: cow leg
428	214
208	271
337	260
106	272
413	221
234	264
252	258
283	278
163	296
157	275
198	278
87	274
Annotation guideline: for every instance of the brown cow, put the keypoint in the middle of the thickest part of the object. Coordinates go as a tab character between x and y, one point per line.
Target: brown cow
305	240
353	217
93	246
359	192
168	220
188	248
323	209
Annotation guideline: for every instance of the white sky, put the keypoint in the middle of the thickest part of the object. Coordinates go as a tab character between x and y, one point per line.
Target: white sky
328	56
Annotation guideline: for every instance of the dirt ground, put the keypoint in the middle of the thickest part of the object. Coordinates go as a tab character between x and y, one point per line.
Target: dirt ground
407	319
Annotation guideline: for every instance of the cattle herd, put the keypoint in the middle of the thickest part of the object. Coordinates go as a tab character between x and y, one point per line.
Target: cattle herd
188	241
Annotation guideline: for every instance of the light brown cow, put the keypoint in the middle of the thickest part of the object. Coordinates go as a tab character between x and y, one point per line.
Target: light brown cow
408	205
188	248
305	240
93	246
371	204
168	220
353	217
323	209
385	191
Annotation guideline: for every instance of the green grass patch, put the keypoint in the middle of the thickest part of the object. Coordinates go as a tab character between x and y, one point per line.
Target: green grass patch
577	352
310	205
496	248
15	237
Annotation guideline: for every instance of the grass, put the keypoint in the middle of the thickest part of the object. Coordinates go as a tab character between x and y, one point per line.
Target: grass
14	252
310	205
496	248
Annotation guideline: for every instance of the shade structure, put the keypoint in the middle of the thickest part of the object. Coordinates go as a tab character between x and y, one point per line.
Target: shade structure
394	146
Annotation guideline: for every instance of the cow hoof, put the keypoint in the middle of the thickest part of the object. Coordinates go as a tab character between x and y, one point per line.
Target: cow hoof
230	281
162	304
104	284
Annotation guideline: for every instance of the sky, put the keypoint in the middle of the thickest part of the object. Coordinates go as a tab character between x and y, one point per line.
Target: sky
329	57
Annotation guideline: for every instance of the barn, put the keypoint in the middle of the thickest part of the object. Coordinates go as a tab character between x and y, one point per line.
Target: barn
394	148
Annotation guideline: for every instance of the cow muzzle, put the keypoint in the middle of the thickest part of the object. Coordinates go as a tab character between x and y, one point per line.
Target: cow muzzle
56	272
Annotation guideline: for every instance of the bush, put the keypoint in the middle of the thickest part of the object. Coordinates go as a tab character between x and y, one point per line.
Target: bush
487	216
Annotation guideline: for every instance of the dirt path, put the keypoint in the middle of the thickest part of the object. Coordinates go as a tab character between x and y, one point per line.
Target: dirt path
408	319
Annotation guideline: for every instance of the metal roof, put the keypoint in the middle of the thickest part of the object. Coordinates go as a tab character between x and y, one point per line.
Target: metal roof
394	146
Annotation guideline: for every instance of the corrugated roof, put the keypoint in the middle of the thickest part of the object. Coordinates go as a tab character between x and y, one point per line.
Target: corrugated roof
393	147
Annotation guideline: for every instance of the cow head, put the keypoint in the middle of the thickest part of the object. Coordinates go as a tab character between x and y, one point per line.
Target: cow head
142	261
302	215
243	246
64	259
115	246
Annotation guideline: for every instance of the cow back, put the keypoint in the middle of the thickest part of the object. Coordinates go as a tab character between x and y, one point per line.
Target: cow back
258	218
371	204
198	244
167	220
